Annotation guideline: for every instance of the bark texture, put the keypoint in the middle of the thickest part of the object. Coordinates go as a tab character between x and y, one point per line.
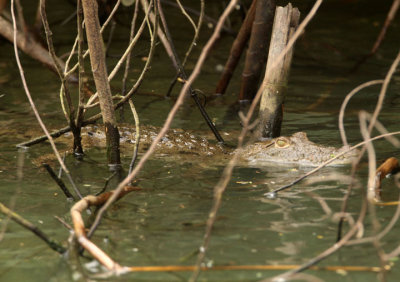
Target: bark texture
272	100
99	70
258	49
237	49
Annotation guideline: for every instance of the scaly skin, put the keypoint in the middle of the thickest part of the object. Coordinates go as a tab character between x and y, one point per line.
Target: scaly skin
295	149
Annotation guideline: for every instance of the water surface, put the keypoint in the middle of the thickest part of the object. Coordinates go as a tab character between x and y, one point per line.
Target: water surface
164	223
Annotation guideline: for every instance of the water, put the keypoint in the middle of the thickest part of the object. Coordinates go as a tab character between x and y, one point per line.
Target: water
164	223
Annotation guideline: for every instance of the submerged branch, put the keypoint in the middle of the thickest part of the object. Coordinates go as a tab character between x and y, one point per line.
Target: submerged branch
59	182
31	227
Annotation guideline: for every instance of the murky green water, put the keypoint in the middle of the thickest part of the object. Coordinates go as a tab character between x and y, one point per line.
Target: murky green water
164	223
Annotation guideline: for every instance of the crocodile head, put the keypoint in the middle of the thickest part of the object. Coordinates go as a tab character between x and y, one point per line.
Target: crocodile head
295	149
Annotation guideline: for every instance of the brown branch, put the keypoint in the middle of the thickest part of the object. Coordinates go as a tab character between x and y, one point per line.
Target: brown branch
131	36
222	184
87	51
346	101
126	54
99	70
192	44
236	50
28	45
78	150
79	226
59	182
33	106
251	267
171	114
390	16
257	51
64	89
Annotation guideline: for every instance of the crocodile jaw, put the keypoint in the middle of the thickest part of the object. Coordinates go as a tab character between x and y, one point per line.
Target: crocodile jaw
295	149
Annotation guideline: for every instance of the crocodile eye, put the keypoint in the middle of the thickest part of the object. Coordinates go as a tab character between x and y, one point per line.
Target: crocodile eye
282	142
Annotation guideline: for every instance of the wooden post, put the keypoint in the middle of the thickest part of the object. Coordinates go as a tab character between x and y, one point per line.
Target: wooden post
272	100
97	61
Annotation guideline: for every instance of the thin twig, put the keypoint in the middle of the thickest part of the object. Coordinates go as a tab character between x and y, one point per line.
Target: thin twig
329	251
81	64
137	135
64	92
126	54
224	180
346	101
106	184
371	125
13	199
191	46
272	194
371	190
73	69
170	117
181	70
59	182
128	59
27	92
371	157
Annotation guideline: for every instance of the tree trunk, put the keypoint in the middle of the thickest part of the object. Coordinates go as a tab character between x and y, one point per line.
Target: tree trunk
271	106
97	61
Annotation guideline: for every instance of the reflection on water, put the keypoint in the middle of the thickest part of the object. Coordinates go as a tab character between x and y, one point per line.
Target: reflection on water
163	224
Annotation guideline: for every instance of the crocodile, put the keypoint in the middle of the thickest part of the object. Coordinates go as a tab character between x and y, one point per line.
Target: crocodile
296	149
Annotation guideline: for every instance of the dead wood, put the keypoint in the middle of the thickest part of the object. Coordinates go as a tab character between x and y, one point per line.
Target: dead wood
179	67
272	100
59	182
256	55
79	226
29	45
99	70
236	50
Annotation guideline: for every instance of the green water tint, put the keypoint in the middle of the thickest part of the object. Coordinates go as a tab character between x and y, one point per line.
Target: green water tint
164	223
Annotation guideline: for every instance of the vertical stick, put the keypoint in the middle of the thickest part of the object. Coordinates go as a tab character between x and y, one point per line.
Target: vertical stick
97	61
236	50
271	106
256	55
